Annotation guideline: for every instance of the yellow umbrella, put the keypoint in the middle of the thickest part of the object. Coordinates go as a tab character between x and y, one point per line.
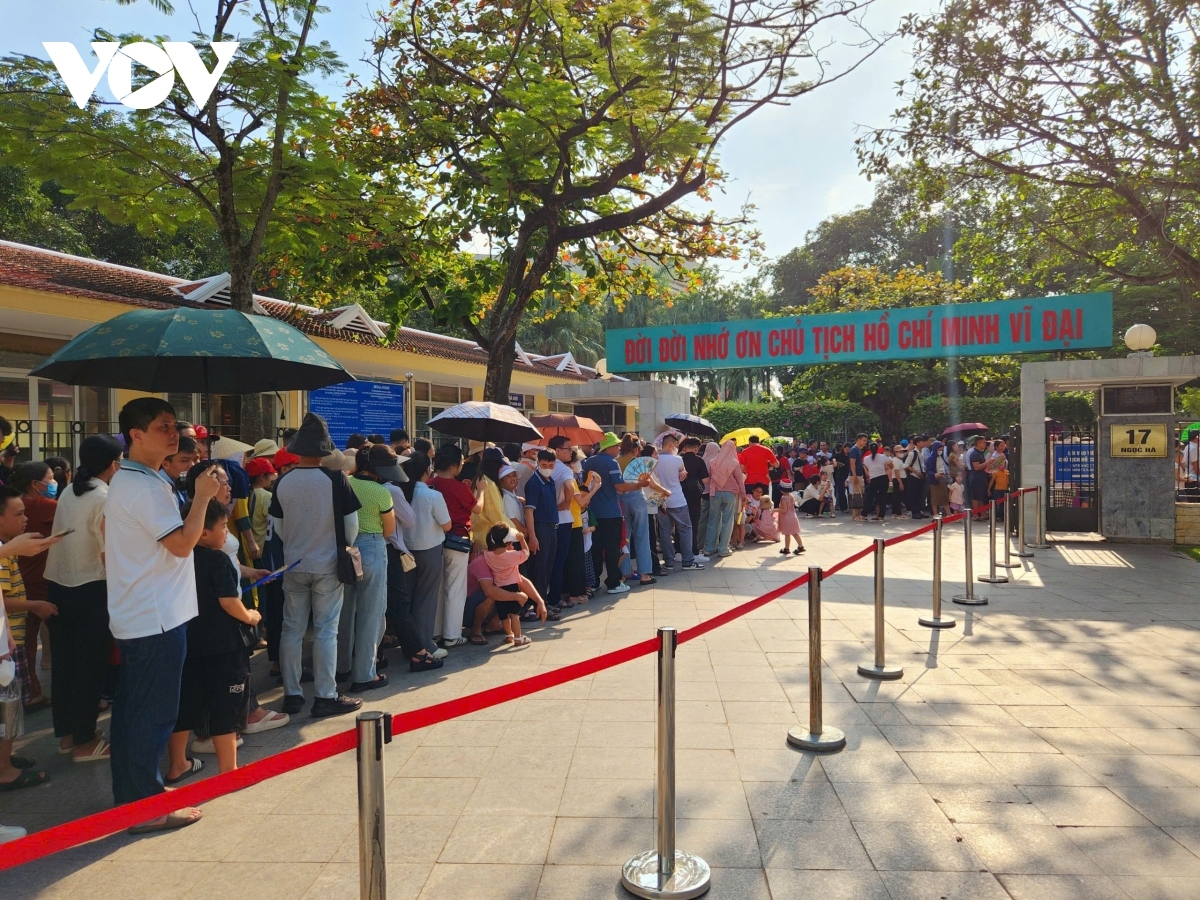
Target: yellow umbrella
742	436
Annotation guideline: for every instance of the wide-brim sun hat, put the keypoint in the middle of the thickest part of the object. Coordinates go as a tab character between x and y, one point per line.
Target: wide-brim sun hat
312	438
265	449
609	440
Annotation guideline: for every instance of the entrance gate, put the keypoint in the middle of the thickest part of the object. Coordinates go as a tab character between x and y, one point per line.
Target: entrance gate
1072	501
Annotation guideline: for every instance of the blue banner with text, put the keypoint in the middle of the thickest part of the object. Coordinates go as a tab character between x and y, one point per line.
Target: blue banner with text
1045	324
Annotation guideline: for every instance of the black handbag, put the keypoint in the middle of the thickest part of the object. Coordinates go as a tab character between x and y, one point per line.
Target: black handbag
349	559
457	542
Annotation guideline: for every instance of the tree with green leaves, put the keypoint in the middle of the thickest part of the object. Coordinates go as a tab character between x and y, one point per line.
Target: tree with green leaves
1086	105
578	137
256	163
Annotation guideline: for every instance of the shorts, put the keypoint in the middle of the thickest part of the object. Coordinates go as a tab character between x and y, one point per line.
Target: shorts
12	709
214	689
506	608
22	679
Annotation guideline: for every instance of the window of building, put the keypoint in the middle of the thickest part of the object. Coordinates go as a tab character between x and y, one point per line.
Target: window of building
433	400
559	406
51	418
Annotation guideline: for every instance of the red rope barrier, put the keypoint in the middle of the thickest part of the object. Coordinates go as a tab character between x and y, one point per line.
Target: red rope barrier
900	539
102	824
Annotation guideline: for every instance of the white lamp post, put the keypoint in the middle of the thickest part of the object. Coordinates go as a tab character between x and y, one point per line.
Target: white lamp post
1139	339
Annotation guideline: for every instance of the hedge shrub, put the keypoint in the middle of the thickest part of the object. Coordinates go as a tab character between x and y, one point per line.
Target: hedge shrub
932	414
820	419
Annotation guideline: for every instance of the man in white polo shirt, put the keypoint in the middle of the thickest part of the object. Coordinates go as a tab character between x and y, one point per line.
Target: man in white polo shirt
151	597
670	473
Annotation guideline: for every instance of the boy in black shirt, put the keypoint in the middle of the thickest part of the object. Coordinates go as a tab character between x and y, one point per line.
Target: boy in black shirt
215	672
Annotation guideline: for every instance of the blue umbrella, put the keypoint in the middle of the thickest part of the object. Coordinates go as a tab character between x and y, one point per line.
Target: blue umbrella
689	424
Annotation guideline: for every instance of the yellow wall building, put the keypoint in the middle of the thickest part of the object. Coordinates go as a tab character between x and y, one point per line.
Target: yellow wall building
47	298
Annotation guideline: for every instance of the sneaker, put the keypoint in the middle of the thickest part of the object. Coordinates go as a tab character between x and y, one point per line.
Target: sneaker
619	589
293	703
207	746
700	558
668	569
338	706
441	653
11	833
692	566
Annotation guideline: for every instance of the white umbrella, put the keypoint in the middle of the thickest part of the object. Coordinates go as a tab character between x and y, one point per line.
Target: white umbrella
482	420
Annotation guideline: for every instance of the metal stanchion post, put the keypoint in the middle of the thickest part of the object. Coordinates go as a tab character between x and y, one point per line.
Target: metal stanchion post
937	620
1040	536
817	736
880	670
1022	551
665	871
969	598
1008	514
374	730
992	577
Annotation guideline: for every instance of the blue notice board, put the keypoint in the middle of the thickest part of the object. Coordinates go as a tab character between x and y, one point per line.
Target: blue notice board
1075	463
363	406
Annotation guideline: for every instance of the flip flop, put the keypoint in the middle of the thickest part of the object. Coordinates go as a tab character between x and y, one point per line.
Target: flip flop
197	765
172	821
24	762
478	639
101	752
27	778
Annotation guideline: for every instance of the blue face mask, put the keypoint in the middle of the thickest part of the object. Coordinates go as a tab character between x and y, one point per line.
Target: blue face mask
52	490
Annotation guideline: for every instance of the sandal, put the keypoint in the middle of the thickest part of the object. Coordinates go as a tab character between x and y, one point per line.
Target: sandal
478	639
551	616
649	581
521	641
197	765
178	819
24	762
27	778
101	751
424	663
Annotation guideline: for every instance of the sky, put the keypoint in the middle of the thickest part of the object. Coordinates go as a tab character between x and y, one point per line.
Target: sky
796	164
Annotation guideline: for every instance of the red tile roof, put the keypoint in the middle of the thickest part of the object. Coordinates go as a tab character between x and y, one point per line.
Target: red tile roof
61	273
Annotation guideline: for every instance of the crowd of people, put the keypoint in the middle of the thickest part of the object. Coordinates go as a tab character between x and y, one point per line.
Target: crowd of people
157	568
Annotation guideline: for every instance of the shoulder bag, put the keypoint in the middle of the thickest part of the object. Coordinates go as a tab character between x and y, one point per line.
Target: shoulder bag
349	559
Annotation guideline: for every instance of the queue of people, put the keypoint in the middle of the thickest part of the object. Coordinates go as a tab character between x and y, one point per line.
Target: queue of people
171	556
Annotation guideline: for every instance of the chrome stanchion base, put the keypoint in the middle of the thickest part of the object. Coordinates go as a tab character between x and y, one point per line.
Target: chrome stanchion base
882	673
829	740
969	601
691	878
1025	555
1009	565
940	622
1037	547
988	579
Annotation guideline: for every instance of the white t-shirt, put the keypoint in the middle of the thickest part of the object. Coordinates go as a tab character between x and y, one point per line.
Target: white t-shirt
668	471
78	558
812	492
150	590
429	514
875	465
562	475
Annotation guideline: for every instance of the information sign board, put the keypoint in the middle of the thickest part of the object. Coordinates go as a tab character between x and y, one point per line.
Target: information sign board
365	407
1130	441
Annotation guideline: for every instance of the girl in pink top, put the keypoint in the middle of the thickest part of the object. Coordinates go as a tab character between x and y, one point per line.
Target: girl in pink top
504	561
789	522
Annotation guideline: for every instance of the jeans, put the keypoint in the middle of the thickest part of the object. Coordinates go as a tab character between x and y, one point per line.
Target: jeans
693	509
454	593
701	531
426	587
683	523
80	636
722	508
606	550
399	604
563	550
321	595
638	523
876	495
840	495
543	562
360	625
144	711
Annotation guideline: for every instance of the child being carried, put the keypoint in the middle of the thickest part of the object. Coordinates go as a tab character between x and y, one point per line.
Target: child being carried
504	560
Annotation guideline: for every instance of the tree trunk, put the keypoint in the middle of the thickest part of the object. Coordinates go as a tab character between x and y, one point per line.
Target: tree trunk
256	410
499	371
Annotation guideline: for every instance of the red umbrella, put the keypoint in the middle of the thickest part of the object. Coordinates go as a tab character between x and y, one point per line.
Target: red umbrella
581	430
965	428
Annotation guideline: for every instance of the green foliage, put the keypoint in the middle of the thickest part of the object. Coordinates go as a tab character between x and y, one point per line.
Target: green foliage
1075	121
931	415
569	133
819	419
256	165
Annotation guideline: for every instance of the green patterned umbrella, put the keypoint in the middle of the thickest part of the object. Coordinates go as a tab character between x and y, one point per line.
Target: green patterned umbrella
195	351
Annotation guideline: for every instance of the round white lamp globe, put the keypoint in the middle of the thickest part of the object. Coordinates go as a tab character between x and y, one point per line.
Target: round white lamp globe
1140	337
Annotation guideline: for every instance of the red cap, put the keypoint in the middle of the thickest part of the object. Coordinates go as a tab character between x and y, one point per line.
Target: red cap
259	466
201	432
283	458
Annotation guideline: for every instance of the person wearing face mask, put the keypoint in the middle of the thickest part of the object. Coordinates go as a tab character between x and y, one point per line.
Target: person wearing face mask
35	481
541	504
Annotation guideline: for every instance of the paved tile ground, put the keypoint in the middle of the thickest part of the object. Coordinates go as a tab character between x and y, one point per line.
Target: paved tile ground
1048	747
